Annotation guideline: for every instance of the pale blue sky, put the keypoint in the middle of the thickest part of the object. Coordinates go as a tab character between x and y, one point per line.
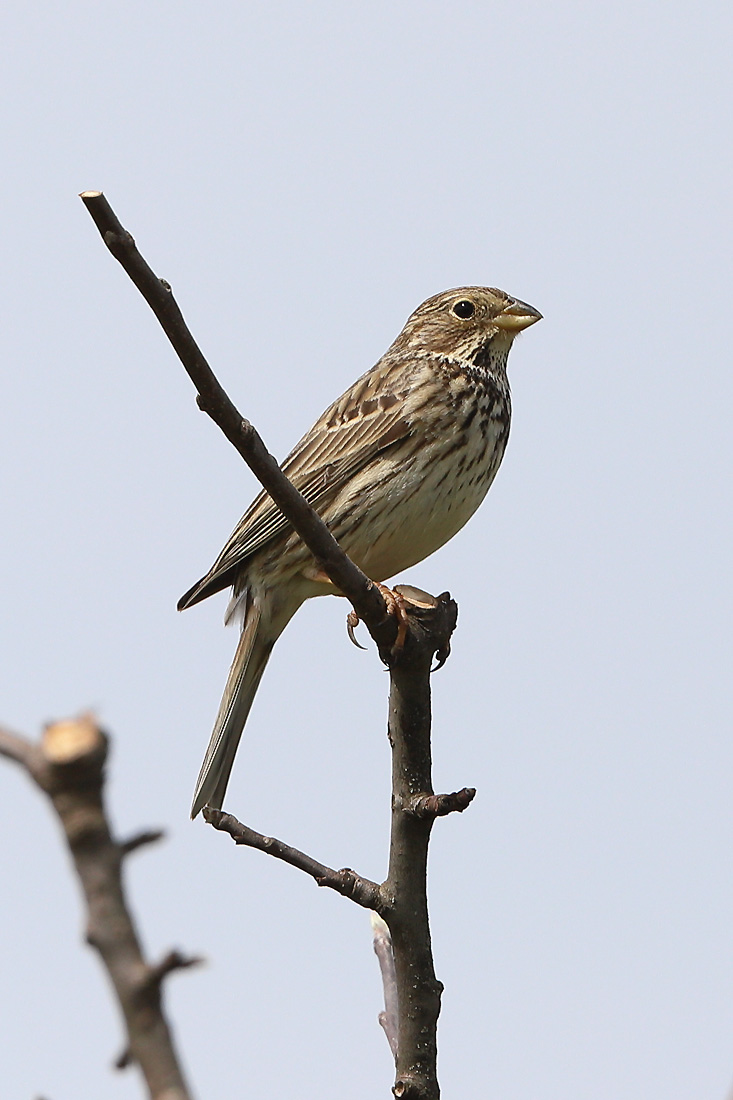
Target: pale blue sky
304	175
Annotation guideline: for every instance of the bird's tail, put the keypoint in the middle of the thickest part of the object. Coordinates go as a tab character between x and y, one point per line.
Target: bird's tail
258	636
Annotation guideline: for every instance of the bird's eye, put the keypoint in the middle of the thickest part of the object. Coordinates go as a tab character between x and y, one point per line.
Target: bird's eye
464	309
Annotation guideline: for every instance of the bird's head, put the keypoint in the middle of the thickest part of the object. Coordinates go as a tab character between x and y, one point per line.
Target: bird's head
462	322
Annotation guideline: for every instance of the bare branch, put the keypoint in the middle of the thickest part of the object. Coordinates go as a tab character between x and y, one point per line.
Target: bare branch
348	578
346	882
139	840
124	1059
16	748
171	962
402	899
68	766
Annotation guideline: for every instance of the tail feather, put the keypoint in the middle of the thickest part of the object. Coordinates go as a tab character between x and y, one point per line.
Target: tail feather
250	659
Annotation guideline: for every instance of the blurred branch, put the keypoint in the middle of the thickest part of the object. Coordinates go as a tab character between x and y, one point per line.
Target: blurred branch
402	898
68	766
14	747
139	840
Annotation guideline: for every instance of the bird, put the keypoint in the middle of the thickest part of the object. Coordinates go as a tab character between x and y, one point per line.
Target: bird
395	467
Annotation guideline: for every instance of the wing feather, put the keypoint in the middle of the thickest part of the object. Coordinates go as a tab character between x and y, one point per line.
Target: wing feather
350	434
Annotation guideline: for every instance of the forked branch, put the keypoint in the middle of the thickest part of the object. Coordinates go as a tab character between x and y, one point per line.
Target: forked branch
402	898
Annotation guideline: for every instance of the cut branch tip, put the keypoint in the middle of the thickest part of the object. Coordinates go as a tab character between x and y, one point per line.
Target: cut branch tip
72	739
439	805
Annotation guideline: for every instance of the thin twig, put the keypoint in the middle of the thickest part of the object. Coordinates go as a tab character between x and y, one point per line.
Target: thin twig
16	748
140	840
171	962
345	882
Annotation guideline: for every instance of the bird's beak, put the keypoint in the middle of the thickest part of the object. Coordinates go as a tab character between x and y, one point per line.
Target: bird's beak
517	316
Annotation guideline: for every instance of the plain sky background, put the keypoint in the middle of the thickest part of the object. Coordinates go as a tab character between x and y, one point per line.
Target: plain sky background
304	175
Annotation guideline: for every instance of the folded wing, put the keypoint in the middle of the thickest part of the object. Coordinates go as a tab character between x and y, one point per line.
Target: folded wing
349	435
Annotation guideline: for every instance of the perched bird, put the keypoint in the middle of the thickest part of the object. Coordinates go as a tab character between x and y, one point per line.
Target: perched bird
395	467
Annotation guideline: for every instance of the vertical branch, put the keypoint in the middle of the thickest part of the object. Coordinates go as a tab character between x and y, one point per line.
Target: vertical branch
405	890
412	991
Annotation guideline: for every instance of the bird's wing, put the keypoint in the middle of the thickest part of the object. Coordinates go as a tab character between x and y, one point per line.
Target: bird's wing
368	418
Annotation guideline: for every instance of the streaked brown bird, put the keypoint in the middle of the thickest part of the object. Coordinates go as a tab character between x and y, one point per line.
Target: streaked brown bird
395	467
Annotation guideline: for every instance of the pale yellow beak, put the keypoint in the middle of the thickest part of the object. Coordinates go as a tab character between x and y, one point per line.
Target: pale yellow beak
517	316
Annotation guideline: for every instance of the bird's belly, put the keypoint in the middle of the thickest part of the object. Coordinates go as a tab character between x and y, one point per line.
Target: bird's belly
411	511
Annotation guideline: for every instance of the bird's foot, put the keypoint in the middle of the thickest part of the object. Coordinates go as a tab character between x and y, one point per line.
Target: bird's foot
396	605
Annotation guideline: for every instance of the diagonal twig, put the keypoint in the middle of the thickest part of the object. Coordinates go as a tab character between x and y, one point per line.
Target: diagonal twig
212	399
346	882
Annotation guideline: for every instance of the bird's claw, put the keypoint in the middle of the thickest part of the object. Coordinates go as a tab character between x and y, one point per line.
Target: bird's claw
441	656
352	621
396	605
